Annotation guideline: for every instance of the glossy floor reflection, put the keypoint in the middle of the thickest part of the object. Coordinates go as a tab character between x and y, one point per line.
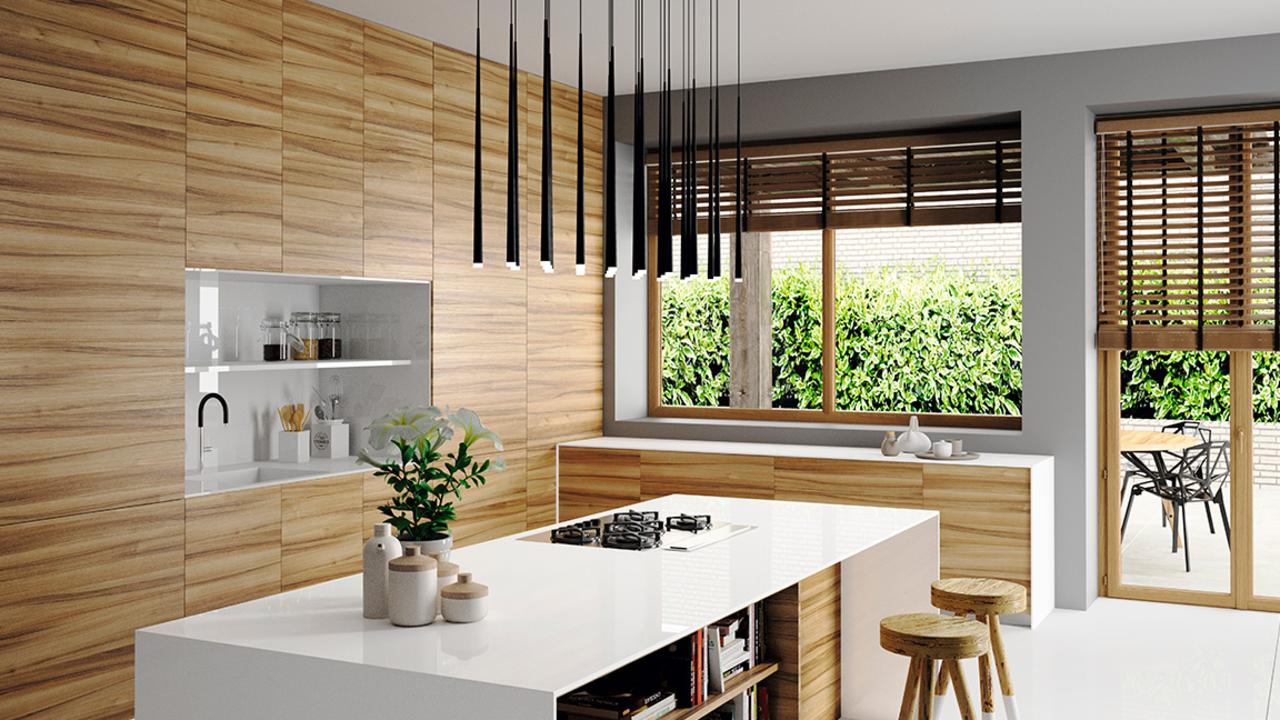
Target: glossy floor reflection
1126	660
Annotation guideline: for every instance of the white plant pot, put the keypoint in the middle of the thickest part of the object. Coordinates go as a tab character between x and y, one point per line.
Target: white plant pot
440	546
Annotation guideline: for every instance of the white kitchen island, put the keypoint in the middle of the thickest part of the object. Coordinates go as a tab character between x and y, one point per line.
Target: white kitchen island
560	617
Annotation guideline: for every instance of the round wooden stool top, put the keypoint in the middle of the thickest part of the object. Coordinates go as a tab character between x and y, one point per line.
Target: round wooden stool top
933	636
981	596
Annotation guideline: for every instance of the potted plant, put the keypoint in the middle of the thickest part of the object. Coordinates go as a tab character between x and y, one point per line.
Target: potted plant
426	480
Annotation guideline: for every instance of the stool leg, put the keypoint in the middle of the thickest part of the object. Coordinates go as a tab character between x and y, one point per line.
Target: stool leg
909	692
1002	668
962	690
940	688
926	689
984	683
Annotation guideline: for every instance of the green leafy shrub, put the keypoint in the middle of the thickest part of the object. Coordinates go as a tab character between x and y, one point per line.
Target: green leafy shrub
695	342
1193	385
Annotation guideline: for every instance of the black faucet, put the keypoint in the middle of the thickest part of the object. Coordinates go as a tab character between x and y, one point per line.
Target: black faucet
200	412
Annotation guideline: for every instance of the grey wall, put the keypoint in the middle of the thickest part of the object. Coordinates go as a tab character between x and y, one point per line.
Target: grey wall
1057	98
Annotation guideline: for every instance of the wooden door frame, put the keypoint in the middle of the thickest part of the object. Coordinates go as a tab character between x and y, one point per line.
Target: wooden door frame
1110	504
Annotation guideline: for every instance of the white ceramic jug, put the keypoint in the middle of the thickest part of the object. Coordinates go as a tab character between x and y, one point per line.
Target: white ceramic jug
914	441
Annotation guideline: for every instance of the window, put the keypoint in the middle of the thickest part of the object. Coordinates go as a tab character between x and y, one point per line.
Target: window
881	277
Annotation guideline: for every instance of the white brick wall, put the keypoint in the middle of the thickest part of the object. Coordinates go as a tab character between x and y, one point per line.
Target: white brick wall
985	248
1266	444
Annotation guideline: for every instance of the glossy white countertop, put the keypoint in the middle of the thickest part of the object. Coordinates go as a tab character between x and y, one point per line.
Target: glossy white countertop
561	615
314	469
824	452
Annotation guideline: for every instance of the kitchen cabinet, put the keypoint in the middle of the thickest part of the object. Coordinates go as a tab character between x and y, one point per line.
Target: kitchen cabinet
320	532
663	473
232	548
399	109
376	493
593	480
323	72
234	201
323	212
855	482
234	60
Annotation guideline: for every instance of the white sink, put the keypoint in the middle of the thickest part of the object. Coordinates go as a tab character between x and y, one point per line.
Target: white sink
228	479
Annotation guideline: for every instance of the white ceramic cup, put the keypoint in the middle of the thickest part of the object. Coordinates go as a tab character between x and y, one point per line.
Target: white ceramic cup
942	449
957	446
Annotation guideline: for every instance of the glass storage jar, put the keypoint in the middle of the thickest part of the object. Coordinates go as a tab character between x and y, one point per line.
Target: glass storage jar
274	339
329	329
306	334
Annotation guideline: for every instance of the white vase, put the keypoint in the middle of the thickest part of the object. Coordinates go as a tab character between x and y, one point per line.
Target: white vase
411	589
381	549
914	441
440	547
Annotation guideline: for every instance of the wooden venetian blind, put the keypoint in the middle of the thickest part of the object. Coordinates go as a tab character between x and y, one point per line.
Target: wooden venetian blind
935	179
1187	245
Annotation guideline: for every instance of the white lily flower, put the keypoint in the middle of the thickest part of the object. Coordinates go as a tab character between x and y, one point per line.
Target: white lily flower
473	429
409	424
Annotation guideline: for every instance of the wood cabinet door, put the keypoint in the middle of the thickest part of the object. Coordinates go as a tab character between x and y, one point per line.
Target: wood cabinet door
320	530
323	207
233	548
72	592
233	195
376	494
398	124
323	72
985	523
593	480
741	476
855	482
235	60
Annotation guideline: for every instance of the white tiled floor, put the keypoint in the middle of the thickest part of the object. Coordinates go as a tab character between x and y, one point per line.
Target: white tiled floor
1125	660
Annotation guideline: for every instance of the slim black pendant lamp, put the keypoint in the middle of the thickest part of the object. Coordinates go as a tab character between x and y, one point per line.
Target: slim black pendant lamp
639	233
477	221
713	163
739	174
513	153
610	170
689	178
547	250
665	239
580	249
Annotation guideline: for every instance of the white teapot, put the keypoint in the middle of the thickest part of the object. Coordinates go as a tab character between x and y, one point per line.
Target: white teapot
913	441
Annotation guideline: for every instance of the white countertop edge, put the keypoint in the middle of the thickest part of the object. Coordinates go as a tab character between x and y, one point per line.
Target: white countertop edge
323	467
823	452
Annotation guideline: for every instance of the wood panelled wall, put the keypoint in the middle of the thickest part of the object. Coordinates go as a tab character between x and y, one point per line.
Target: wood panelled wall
142	136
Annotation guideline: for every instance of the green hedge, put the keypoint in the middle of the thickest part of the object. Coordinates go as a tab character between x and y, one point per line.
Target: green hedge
1189	385
935	341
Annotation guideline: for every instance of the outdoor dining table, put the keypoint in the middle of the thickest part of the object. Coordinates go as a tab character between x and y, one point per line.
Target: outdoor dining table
1136	443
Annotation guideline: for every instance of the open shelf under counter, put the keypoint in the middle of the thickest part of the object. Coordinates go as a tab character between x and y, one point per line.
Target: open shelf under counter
260	366
735	687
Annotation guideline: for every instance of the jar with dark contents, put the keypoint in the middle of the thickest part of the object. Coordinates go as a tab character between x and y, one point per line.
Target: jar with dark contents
329	332
275	338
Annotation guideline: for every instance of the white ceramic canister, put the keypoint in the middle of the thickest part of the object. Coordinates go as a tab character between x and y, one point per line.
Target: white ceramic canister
465	601
411	589
446	573
381	549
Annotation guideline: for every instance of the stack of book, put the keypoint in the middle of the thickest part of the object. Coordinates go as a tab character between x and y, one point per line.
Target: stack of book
601	704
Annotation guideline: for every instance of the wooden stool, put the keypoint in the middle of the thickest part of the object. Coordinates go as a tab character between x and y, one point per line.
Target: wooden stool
986	600
925	638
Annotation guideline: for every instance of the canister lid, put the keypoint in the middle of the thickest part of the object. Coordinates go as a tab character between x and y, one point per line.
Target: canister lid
446	568
464	589
412	561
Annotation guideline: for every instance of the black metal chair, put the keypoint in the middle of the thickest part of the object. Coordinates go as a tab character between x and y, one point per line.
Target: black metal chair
1182	427
1202	474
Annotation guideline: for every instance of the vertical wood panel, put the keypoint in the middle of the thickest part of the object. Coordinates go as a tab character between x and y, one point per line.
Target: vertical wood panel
320	530
131	50
234	58
232	548
566	310
593	481
323	184
854	482
91	256
819	634
398	154
782	625
480	356
498	508
744	476
234	200
74	590
376	493
323	72
985	523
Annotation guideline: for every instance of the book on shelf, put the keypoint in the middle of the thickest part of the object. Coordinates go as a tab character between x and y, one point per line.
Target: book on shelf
663	707
583	706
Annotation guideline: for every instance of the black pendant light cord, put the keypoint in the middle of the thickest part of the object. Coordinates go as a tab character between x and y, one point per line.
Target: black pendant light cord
477	221
513	152
738	171
580	250
547	256
610	169
639	211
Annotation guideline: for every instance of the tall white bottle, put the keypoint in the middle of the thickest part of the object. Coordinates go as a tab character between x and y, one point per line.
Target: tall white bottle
381	549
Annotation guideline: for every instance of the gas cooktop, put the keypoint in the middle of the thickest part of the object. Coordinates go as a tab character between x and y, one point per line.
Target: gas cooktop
635	530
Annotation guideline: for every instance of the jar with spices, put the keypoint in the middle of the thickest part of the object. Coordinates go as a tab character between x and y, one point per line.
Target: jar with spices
329	330
274	339
303	327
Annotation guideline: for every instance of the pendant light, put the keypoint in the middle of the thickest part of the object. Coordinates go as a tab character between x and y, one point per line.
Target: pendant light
665	239
547	255
580	249
689	177
713	163
610	171
739	173
639	233
513	152
477	221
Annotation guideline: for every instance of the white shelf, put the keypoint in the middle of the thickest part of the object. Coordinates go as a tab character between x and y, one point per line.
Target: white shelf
294	365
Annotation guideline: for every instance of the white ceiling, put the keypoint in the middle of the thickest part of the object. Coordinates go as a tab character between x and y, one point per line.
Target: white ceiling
806	38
